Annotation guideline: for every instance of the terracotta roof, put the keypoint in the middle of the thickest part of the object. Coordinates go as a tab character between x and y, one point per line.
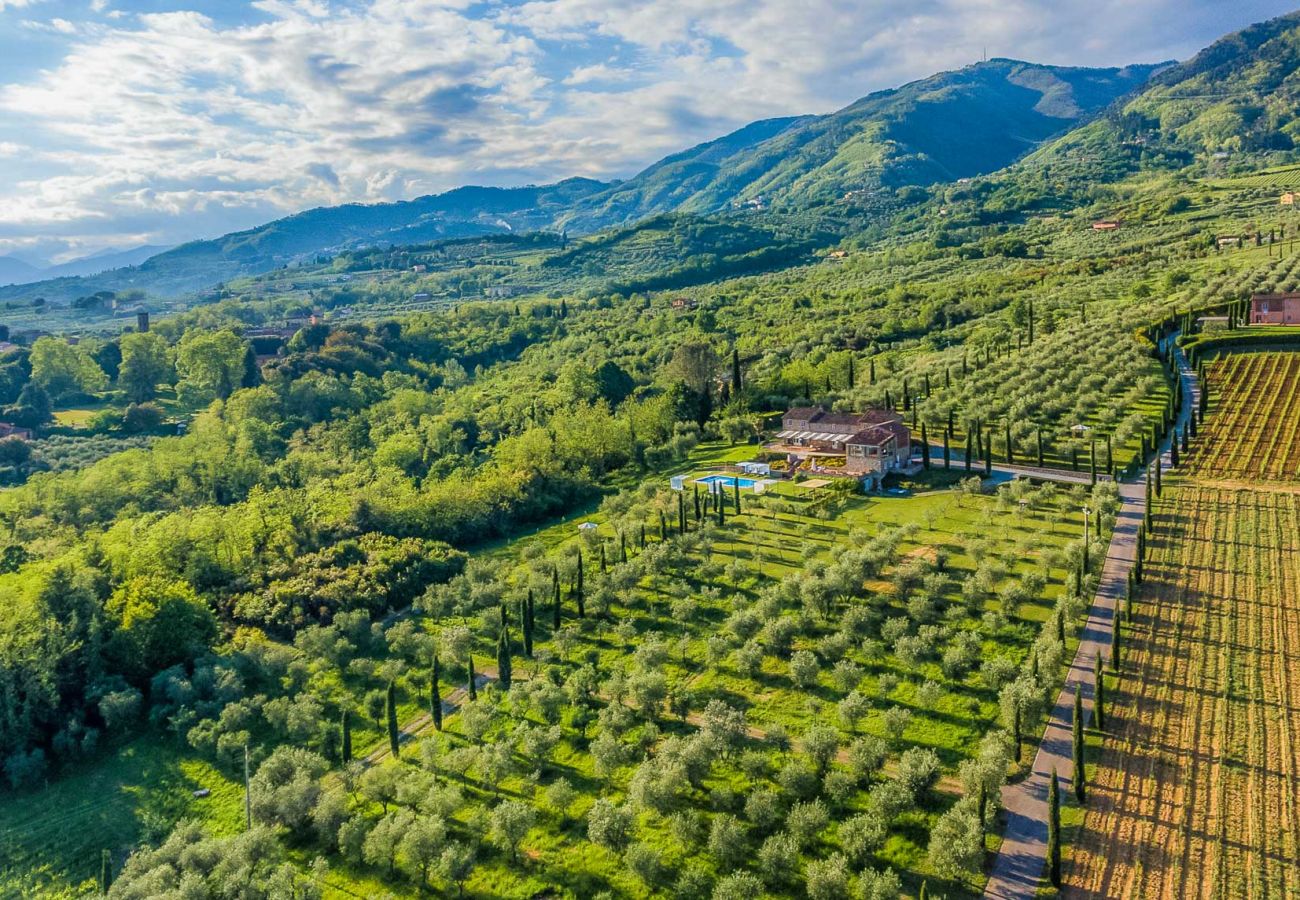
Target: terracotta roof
821	415
877	435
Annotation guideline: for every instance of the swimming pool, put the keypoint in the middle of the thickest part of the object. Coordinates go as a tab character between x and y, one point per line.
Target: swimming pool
728	480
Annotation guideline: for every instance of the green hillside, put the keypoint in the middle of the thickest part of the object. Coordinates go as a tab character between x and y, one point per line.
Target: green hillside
952	125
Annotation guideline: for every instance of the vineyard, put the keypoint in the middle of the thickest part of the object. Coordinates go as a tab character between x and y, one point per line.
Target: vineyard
1253	433
1197	791
1284	178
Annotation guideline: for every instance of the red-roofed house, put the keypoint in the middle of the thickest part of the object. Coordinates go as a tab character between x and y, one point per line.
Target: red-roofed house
873	443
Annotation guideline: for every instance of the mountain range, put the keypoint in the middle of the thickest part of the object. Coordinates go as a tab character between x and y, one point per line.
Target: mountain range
953	125
17	271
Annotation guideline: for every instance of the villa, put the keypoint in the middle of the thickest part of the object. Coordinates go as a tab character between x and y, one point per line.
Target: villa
872	443
1275	309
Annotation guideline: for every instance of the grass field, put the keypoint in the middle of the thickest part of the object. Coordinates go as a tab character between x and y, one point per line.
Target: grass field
1197	790
51	839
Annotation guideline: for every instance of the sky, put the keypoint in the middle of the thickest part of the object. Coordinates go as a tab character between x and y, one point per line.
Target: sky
130	122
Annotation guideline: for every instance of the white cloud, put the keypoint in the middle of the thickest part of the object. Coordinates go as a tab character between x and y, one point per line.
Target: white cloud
168	124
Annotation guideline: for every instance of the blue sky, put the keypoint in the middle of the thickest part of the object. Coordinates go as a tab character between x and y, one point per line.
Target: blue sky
124	122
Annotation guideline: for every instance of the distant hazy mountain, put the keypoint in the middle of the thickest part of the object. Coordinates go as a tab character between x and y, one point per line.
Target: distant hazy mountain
955	124
104	261
463	212
15	271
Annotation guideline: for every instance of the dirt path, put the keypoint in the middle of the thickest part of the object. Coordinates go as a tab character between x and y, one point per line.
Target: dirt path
1018	869
483	676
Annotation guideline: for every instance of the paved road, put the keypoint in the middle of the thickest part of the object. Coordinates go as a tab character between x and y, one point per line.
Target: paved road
1021	861
1002	472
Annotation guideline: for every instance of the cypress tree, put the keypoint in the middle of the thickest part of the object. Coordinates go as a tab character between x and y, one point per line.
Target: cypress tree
1054	830
697	501
345	740
105	870
969	449
737	385
663	526
721	509
681	513
850	379
556	611
907	396
927	385
925	447
1060	626
924	895
982	810
435	694
1011	450
526	628
735	495
1115	645
470	686
1076	735
1074	459
1156	466
1110	457
503	653
1039	434
871	377
988	463
1173	450
578	589
390	708
1099	695
1092	460
603	566
1146	510
1015	728
622	546
642	545
947	452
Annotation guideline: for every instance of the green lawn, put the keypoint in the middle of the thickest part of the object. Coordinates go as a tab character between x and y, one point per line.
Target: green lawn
51	840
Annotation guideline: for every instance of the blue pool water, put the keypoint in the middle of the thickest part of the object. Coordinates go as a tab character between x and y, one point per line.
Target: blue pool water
729	480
